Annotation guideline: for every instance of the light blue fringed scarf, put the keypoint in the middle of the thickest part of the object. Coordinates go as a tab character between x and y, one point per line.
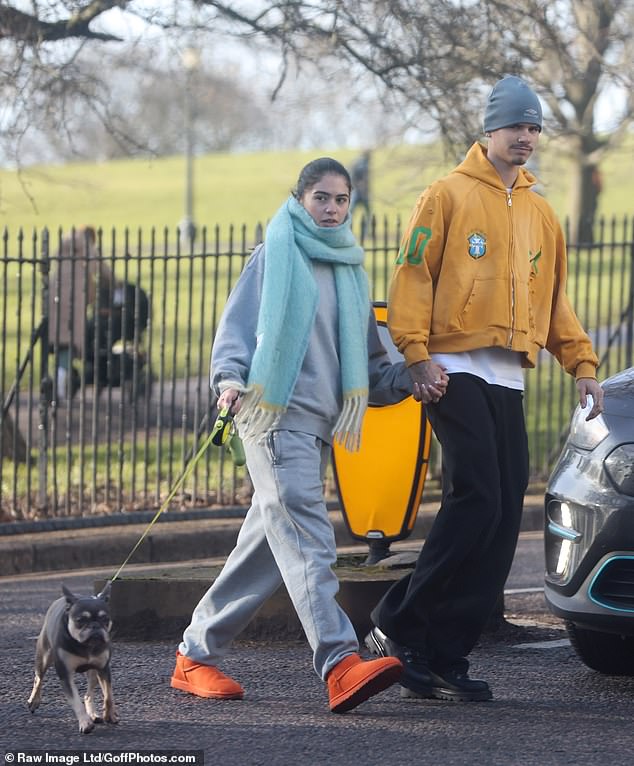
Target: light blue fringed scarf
287	312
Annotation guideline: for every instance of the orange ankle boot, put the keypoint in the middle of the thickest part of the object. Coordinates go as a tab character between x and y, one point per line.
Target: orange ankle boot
353	680
204	680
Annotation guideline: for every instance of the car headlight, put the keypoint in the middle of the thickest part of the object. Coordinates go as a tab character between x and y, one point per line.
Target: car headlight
619	465
587	434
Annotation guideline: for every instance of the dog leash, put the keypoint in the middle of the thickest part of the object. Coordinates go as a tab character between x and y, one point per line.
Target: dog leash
222	434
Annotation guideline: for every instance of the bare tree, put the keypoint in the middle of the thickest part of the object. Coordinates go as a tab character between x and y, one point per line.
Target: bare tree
439	58
42	79
147	100
585	51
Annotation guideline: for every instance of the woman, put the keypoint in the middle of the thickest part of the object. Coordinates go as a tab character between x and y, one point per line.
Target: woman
294	358
79	286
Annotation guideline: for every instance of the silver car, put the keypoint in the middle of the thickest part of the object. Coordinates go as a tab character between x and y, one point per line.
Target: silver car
589	532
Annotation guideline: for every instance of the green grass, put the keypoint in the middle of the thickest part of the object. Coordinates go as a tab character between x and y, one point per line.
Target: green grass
249	187
140	476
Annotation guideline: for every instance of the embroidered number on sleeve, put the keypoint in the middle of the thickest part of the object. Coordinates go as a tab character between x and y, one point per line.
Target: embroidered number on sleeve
418	240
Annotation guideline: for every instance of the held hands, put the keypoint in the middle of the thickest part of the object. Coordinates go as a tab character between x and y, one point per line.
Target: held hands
230	398
590	387
429	381
430	384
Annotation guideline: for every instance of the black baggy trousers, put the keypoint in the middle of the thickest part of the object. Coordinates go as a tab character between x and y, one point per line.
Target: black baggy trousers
442	606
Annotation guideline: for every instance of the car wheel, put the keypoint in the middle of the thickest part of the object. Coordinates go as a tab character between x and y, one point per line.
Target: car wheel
609	653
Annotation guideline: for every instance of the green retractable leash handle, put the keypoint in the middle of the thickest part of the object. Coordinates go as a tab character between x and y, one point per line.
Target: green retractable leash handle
224	434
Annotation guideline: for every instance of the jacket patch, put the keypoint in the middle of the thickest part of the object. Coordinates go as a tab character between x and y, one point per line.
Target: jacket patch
534	258
413	248
477	244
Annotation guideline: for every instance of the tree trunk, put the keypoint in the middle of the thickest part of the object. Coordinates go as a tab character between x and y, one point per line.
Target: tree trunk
585	191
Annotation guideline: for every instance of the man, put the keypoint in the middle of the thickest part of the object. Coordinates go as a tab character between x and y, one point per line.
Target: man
79	288
478	290
360	175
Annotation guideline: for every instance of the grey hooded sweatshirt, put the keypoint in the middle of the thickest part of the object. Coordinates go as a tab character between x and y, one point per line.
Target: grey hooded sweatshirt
316	400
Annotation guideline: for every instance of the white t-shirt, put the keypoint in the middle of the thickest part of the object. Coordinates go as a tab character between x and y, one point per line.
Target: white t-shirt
498	366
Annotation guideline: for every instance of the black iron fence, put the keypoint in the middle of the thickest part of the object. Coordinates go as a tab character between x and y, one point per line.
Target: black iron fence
105	350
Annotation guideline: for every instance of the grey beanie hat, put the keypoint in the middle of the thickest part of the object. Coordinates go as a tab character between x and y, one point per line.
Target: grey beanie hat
511	102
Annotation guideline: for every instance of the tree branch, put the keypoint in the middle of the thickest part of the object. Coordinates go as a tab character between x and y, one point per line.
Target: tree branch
26	28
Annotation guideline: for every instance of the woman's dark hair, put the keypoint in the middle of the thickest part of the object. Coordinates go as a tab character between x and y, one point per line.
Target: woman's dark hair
315	171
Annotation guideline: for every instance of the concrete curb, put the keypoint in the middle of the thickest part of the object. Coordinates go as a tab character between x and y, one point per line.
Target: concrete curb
159	605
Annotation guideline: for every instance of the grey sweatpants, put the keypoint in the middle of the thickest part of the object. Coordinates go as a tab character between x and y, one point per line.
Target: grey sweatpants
286	537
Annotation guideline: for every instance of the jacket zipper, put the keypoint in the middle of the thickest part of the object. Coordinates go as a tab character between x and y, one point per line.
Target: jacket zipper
509	203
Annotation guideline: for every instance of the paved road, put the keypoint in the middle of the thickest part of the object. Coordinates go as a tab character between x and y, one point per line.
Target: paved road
548	709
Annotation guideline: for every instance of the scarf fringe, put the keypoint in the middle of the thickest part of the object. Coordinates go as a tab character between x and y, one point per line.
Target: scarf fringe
255	420
347	430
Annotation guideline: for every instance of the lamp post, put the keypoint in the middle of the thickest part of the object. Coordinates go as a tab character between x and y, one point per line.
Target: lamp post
191	59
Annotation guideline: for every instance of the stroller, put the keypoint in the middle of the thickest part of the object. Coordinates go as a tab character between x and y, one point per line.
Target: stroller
95	323
114	341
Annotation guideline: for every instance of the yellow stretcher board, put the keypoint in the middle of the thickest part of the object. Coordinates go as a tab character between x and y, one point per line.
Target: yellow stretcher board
380	486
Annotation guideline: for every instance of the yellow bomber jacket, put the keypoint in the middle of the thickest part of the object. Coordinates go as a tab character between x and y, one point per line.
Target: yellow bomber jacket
480	267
